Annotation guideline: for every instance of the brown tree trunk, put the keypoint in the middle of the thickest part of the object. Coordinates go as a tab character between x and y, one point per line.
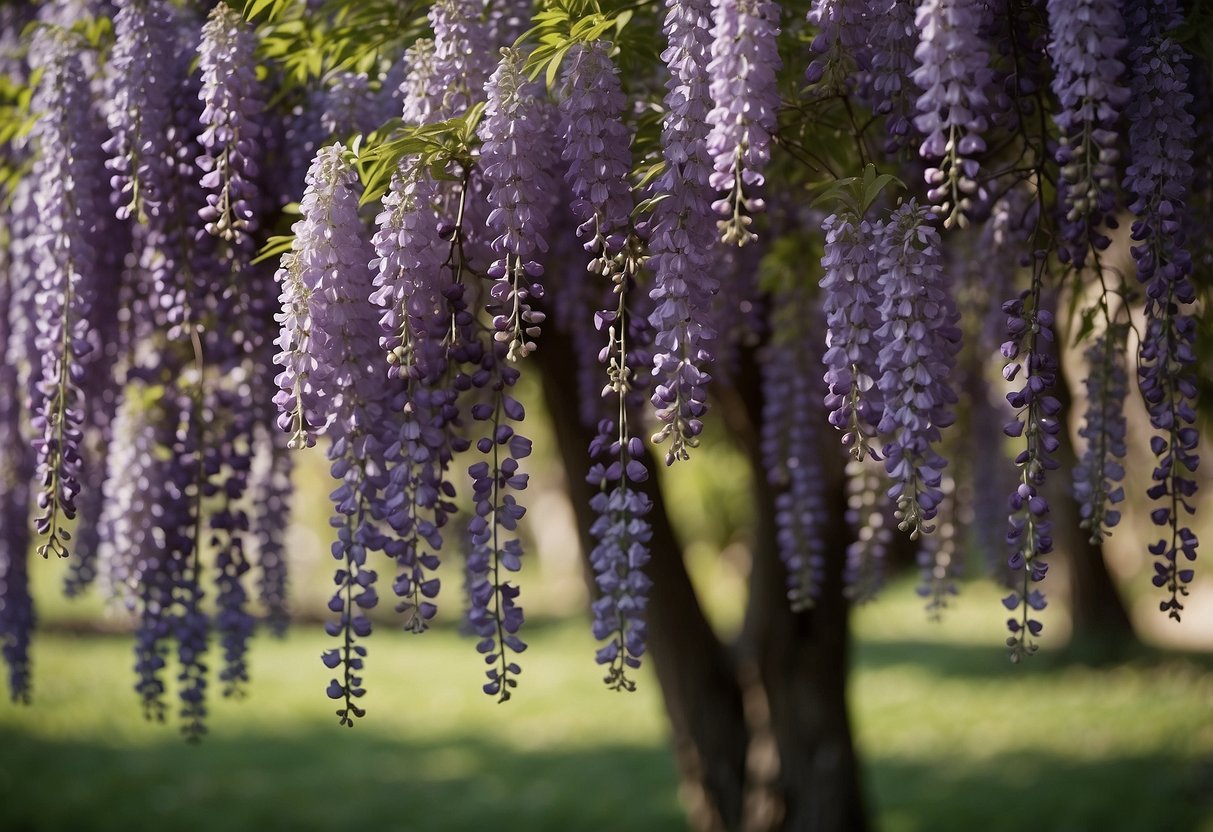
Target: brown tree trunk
762	736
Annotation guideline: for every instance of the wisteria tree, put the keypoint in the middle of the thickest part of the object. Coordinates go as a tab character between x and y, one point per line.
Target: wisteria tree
860	235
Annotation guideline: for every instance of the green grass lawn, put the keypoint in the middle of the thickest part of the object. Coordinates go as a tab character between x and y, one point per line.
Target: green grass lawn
953	738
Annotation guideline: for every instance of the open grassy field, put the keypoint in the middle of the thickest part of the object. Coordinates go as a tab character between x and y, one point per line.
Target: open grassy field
953	737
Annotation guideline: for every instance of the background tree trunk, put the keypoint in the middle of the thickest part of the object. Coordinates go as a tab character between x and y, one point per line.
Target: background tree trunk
761	733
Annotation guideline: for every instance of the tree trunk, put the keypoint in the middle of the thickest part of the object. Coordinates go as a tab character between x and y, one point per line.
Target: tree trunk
762	737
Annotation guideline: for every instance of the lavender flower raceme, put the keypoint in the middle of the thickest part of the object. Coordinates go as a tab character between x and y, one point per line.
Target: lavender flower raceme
1099	472
231	94
16	472
953	73
851	301
65	265
871	524
332	384
681	235
511	159
495	616
838	47
745	61
464	50
1161	134
790	443
418	97
919	339
597	150
1085	38
412	278
621	552
887	82
270	486
1028	350
140	107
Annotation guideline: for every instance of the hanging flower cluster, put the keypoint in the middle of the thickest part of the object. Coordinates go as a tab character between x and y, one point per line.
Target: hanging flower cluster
139	341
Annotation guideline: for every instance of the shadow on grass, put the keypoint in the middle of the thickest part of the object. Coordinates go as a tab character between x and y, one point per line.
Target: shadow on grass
330	781
1044	793
333	781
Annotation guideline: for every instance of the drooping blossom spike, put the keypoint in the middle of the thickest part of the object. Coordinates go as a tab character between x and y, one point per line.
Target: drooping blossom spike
512	164
851	300
231	125
464	53
682	236
1099	472
597	148
410	276
1084	41
953	73
621	551
871	524
838	47
1161	135
139	106
1029	352
348	397
66	263
412	283
791	447
887	83
347	106
329	335
270	487
508	19
937	557
495	616
419	99
743	69
919	339
16	473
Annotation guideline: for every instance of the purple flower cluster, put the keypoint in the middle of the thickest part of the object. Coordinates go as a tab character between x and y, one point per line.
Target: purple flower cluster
953	73
464	50
597	150
1029	353
871	525
887	81
230	118
1161	134
681	235
347	106
333	379
419	99
839	46
1099	472
495	616
621	553
937	557
512	164
65	279
270	490
1085	38
410	266
16	473
743	69
790	443
851	300
919	339
140	109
